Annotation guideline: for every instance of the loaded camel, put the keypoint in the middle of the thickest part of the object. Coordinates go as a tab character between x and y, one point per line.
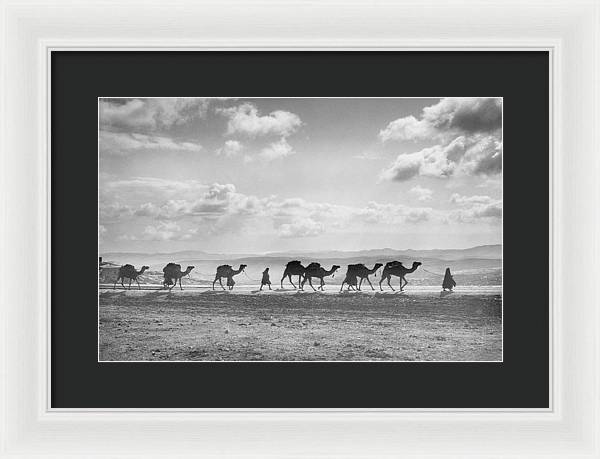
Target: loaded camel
315	270
228	272
356	271
172	274
129	272
293	268
395	268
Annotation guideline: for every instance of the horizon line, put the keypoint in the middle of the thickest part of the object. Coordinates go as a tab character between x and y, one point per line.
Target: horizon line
296	251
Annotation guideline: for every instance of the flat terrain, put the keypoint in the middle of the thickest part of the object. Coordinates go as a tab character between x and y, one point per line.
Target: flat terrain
162	326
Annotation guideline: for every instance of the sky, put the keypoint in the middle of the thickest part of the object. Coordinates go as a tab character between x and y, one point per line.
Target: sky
257	175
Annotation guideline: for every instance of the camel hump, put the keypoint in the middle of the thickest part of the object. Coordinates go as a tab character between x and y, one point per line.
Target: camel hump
393	264
294	263
127	267
357	266
314	265
171	266
223	267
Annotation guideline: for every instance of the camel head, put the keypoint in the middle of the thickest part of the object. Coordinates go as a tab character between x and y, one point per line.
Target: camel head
242	267
188	269
416	264
334	268
376	267
144	268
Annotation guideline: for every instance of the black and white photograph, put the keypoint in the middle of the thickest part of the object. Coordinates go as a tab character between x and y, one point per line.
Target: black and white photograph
300	229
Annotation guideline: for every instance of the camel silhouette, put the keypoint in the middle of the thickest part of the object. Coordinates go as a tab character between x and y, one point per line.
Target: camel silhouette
228	272
359	271
396	268
315	270
129	272
172	273
351	280
293	268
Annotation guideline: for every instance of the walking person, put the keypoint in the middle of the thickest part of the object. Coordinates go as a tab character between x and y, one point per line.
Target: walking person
448	282
265	279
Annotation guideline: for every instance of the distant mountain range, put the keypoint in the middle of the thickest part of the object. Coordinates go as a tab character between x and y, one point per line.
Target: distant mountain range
483	252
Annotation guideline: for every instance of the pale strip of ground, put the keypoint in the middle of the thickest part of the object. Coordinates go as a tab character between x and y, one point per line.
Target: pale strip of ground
192	325
246	289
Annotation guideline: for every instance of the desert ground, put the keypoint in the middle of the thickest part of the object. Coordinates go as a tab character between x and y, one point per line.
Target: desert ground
204	325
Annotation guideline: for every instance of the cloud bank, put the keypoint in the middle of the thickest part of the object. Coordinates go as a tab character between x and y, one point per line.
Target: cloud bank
467	132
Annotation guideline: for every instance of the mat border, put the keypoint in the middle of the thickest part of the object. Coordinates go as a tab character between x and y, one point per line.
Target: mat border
568	30
234	256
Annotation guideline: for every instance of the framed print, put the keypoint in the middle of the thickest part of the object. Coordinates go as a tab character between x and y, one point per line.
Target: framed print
313	239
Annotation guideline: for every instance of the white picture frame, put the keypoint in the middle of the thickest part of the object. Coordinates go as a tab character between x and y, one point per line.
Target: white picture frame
569	30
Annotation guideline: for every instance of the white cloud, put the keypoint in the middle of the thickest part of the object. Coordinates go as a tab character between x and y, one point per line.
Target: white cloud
163	231
407	128
119	143
474	155
176	207
422	194
483	158
474	208
245	119
152	186
231	148
468	136
450	117
458	199
276	150
491	183
394	214
114	211
150	114
218	200
305	227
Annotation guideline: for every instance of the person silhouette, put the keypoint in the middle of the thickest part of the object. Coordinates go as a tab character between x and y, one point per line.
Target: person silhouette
265	279
448	282
230	283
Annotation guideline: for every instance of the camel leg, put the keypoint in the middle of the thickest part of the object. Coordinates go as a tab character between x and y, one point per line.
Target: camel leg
260	289
310	283
283	277
342	287
388	282
180	284
405	282
380	281
372	288
138	282
221	284
214	283
115	286
322	284
123	283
